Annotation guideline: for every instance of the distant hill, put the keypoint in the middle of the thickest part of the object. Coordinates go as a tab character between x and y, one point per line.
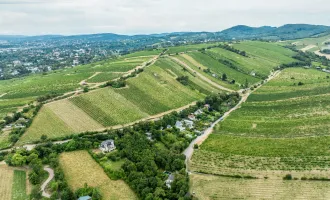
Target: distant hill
286	32
289	31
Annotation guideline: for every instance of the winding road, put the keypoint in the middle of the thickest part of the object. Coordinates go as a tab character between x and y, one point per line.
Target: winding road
44	185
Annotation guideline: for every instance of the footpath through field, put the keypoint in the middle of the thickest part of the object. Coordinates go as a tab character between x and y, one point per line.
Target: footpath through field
188	152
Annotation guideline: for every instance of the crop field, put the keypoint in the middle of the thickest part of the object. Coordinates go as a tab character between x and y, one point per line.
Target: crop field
317	41
144	53
195	82
185	48
104	76
4	139
282	126
19	186
80	168
45	123
152	92
13	184
247	65
218	68
208	187
20	91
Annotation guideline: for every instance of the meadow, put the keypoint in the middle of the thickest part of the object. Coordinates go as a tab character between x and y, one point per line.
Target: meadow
80	168
282	126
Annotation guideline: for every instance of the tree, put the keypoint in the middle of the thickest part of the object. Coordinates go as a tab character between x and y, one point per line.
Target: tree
224	77
246	85
86	89
34	178
18	160
43	138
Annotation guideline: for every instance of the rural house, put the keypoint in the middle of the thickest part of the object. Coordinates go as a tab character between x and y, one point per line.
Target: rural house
179	125
189	123
169	180
192	117
149	136
107	146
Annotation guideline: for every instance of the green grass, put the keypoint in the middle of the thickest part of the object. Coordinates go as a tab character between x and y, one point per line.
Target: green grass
19	186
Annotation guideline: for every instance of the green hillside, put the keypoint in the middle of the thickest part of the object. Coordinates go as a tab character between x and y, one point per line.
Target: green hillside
283	126
153	91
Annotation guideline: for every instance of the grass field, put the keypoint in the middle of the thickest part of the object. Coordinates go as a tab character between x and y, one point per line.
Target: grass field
104	76
80	168
282	126
208	187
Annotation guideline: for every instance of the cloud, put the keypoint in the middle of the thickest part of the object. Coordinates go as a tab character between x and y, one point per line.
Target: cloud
152	16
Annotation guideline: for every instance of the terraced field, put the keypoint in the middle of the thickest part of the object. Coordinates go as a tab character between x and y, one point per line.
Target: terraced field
80	168
154	91
283	127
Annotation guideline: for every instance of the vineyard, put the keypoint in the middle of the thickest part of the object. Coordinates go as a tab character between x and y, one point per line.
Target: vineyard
20	91
215	187
282	127
154	91
80	168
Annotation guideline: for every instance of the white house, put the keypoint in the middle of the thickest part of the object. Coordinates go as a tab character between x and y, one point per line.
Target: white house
179	125
169	180
149	136
189	123
107	146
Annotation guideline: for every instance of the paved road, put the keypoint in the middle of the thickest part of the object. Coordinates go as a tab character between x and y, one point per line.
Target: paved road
44	185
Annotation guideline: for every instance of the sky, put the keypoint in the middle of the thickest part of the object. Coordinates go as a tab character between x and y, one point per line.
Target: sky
69	17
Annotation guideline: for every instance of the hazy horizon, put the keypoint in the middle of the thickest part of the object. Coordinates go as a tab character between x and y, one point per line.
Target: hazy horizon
128	17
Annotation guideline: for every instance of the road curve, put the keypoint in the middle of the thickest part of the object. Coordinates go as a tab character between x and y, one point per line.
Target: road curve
44	185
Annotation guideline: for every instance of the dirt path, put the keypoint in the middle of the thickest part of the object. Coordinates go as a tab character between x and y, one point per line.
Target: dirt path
44	185
322	54
308	48
204	78
188	152
3	95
